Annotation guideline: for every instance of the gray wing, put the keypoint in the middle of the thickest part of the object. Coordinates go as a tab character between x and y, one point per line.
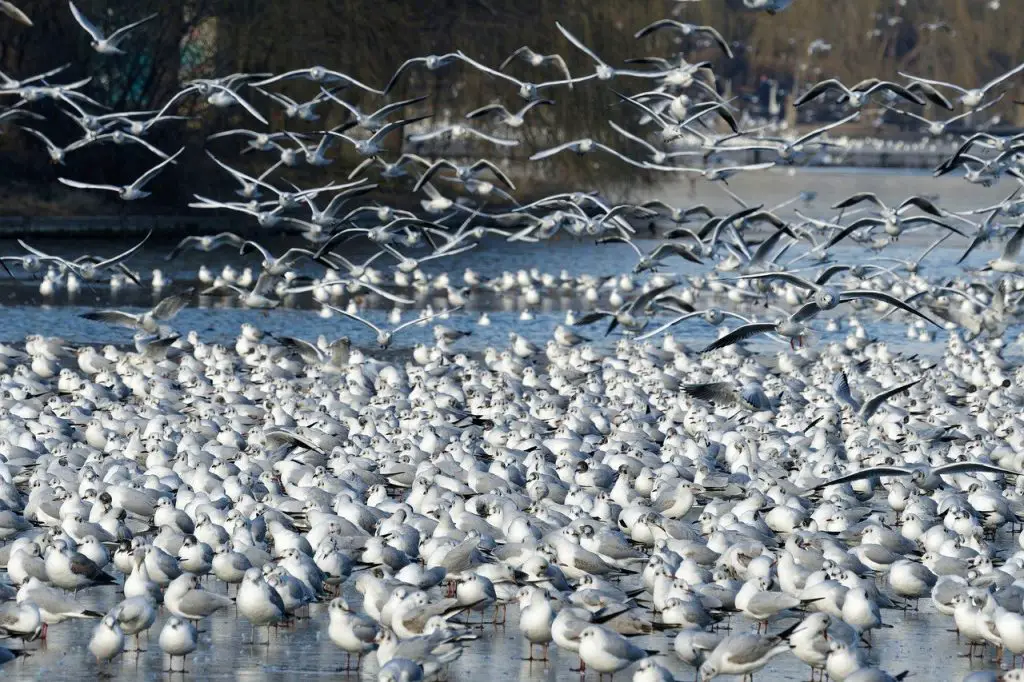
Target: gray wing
282	435
841	386
767	245
830	272
51	601
871	406
885	298
308	351
805	312
864	473
767	603
83	565
677	249
84	22
129	610
762	649
643	299
113	317
364	629
8	614
714	392
620	647
170	306
967	467
924	205
739	334
857	198
785	276
591	563
1012	247
202	603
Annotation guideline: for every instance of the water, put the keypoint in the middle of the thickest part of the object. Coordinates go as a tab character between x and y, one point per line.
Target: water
919	641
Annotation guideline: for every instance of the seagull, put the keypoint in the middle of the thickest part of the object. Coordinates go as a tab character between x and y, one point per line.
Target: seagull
135	615
318	74
841	387
528	91
687	30
624	314
972	98
372	145
108	45
22	620
148	321
178	638
713	316
791	327
130	192
927	478
788	151
205	243
744	653
394	169
258	602
607	651
107	640
722	392
827	298
652	260
939	128
506	117
304	111
1007	260
581	147
603	71
457	131
857	96
536	59
385	336
715	174
352	632
433	62
373	121
88	267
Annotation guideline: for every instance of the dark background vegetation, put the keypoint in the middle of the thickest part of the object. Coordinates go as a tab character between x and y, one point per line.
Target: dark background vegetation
369	39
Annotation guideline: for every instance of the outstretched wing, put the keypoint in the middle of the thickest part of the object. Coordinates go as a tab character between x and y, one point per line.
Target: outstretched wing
113	317
871	406
841	387
739	334
862	474
713	392
885	298
170	306
968	467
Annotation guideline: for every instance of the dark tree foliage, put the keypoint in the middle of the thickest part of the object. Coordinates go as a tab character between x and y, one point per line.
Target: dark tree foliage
964	41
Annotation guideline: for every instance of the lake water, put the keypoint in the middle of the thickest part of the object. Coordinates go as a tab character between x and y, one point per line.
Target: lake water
919	642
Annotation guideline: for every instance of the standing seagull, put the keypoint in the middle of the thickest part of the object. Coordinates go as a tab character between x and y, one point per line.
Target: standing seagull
106	45
13	12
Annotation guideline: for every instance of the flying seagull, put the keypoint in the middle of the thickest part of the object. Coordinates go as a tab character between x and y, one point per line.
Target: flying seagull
105	45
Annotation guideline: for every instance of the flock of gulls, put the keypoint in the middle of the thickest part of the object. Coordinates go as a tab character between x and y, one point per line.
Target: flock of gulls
638	504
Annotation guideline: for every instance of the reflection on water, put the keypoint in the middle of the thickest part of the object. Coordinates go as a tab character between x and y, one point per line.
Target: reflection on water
226	652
